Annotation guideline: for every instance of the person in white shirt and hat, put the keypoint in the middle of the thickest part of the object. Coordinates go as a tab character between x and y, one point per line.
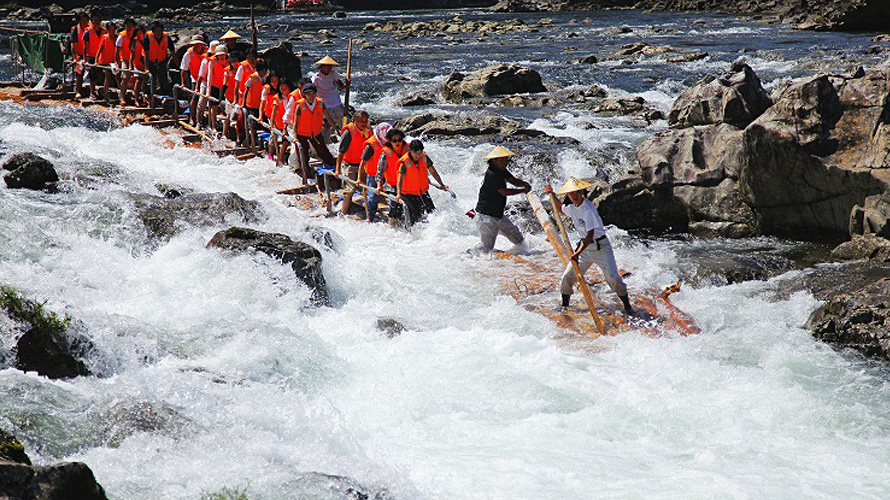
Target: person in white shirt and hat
489	211
329	85
594	247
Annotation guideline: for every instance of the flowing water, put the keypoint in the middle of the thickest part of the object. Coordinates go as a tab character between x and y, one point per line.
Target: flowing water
216	372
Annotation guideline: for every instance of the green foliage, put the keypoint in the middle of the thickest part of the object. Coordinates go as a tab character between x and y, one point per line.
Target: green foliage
227	493
33	313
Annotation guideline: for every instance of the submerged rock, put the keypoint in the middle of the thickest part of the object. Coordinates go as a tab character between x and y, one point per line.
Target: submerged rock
126	419
859	320
62	481
491	81
165	217
390	327
304	259
869	247
12	450
422	98
469	125
29	171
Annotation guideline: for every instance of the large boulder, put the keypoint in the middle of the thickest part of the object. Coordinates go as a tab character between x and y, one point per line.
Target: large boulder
62	481
12	450
491	81
29	171
165	217
429	124
872	217
735	96
304	259
859	320
283	61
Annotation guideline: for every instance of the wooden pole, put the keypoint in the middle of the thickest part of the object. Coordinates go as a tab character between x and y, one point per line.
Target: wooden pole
547	225
253	27
348	83
582	283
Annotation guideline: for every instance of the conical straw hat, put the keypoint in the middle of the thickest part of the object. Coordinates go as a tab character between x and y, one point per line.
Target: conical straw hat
230	34
499	152
574	184
326	60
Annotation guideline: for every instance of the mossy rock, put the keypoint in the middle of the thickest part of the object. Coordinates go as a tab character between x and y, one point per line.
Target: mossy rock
11	450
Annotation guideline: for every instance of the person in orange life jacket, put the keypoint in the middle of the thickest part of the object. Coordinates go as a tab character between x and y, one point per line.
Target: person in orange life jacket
367	169
105	56
352	145
190	70
267	108
212	78
251	99
391	155
231	96
77	49
157	52
246	68
309	117
201	83
414	183
122	57
92	39
490	216
290	104
594	247
137	62
277	121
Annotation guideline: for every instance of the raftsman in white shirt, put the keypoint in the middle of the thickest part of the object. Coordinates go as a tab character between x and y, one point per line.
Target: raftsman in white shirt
585	218
327	88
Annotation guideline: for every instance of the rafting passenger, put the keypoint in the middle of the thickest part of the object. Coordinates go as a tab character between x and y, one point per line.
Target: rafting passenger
352	144
388	170
190	70
231	96
105	57
78	50
214	71
367	169
309	117
415	169
594	246
92	38
137	62
329	85
123	58
267	107
158	50
245	69
490	216
277	121
251	100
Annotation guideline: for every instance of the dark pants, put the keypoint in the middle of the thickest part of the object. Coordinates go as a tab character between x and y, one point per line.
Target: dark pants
321	150
160	72
416	205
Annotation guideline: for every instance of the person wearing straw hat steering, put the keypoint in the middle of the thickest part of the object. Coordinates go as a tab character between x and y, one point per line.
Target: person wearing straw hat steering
329	85
489	212
594	247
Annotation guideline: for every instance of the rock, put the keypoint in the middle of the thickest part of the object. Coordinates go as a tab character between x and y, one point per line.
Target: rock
49	346
283	61
863	247
883	38
29	171
527	102
690	57
339	14
304	259
582	95
171	191
591	59
421	98
619	30
736	97
493	81
126	418
873	217
164	218
12	450
859	320
468	125
643	48
391	327
628	106
67	480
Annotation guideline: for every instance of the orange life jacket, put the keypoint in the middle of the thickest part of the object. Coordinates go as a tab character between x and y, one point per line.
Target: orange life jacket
255	93
195	63
393	158
356	144
416	179
217	73
246	71
270	102
311	120
93	41
371	165
138	51
106	49
125	47
79	46
157	50
231	84
279	112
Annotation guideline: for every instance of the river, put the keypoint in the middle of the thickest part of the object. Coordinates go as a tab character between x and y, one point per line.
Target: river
217	373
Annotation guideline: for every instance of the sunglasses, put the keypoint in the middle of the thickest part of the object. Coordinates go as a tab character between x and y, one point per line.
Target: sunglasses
398	140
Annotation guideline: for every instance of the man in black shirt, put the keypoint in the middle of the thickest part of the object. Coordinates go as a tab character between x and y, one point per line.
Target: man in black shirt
493	199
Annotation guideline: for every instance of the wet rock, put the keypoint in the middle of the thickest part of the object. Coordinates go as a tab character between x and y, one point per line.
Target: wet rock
859	320
172	191
735	96
329	486
390	327
583	95
872	217
12	450
164	218
422	98
340	14
591	59
619	30
643	48
690	57
29	171
48	346
467	125
497	80
67	480
625	106
283	61
126	419
304	259
527	102
863	247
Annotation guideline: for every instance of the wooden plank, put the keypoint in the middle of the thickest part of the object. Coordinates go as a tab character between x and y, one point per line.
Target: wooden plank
547	225
191	138
58	96
141	111
160	123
